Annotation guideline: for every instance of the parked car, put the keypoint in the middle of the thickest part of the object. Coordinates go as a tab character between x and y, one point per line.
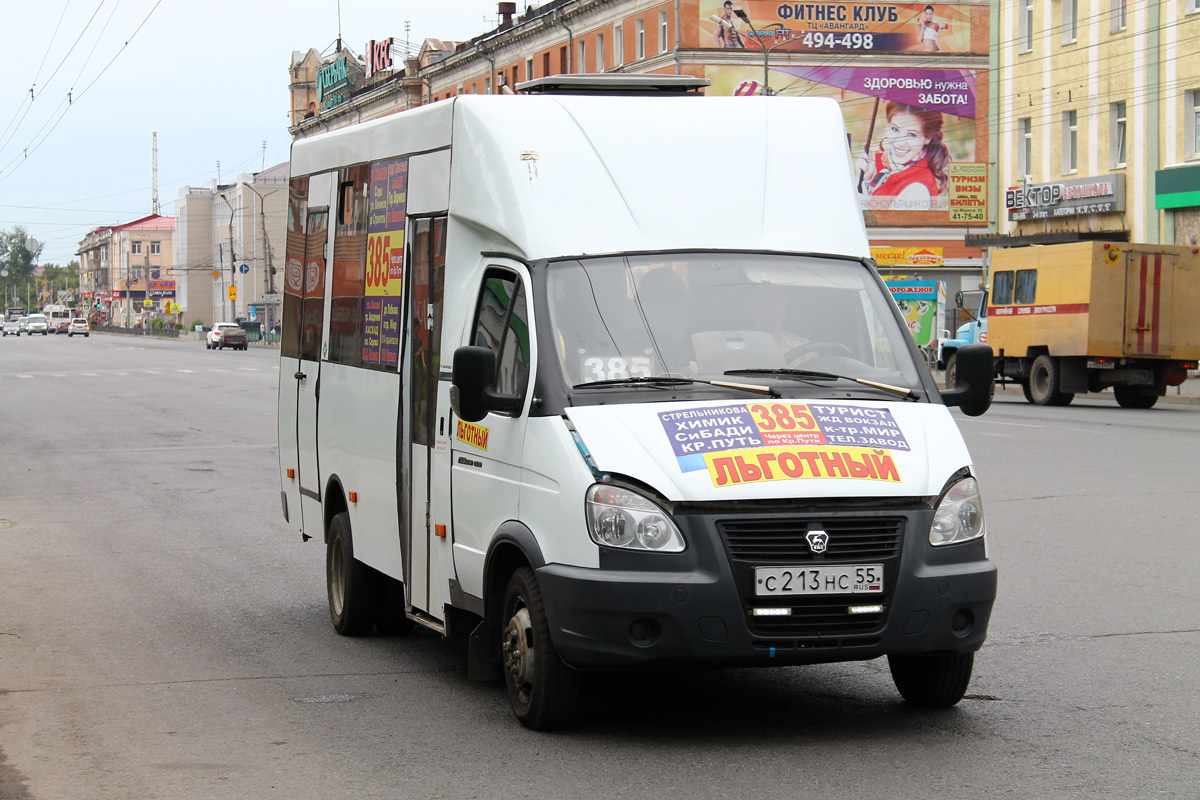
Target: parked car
12	326
37	323
78	325
225	334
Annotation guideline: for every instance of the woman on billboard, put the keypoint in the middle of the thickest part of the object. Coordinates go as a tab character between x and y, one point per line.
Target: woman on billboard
908	170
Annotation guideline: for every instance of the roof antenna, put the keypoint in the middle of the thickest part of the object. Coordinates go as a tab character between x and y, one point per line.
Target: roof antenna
339	13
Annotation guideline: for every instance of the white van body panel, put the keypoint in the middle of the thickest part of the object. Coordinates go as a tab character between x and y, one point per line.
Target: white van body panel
422	129
556	176
357	443
554	482
429	182
921	440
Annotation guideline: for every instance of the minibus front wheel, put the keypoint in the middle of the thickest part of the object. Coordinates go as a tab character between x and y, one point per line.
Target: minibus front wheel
543	690
932	681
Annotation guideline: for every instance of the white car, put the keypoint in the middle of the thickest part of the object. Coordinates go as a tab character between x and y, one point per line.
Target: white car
37	323
12	326
225	334
78	325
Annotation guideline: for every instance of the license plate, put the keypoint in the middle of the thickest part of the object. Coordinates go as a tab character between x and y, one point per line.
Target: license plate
808	580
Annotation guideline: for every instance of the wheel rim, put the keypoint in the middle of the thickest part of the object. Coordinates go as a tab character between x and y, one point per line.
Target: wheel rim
1039	381
519	652
337	578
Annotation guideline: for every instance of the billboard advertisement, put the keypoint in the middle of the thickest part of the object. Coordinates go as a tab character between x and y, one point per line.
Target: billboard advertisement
906	127
837	27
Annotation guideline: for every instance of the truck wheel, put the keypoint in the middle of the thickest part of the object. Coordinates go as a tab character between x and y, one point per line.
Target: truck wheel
544	691
952	370
937	681
352	585
1133	397
1042	387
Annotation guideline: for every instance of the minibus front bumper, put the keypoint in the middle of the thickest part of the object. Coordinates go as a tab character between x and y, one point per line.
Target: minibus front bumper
702	606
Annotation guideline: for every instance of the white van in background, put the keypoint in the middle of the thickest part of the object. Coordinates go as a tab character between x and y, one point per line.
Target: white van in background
553	378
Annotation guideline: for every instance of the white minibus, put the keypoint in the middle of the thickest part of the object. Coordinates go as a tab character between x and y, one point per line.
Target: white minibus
603	378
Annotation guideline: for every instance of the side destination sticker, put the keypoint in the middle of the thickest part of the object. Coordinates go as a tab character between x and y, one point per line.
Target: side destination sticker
783	441
472	434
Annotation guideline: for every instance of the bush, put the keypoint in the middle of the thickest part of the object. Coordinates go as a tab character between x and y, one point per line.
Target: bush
158	323
197	323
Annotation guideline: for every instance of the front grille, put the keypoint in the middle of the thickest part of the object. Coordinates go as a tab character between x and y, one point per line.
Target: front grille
821	620
767	541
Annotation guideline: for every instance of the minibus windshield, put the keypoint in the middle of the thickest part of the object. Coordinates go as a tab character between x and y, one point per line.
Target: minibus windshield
706	316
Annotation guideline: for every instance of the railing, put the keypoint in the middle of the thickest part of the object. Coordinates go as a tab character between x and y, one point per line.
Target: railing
162	333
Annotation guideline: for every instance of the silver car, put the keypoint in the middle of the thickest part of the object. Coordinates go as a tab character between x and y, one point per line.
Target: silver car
12	326
37	323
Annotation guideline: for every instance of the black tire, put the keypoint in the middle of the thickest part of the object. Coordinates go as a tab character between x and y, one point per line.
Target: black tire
1134	397
951	370
352	586
1042	388
937	681
544	691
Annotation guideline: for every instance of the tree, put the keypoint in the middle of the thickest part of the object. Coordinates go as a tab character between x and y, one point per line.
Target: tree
18	262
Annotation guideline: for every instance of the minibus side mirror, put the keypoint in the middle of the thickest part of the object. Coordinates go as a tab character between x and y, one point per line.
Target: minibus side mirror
973	388
471	392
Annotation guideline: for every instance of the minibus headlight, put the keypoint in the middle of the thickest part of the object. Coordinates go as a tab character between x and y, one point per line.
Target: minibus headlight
619	517
959	516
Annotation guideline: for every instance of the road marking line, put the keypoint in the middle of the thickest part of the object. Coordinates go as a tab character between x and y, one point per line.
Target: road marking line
185	370
24	376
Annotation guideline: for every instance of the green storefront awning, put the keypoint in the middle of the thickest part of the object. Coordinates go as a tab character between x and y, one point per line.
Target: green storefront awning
1177	187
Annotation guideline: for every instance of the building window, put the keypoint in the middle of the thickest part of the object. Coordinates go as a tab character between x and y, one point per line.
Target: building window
619	44
529	69
1026	32
1191	120
1116	134
662	32
155	248
1025	149
135	248
1117	19
546	64
581	64
639	40
600	52
1070	145
562	60
1070	21
487	85
1192	6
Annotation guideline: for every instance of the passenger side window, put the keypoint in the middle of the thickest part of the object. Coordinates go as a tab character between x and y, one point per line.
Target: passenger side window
502	326
1002	289
1026	286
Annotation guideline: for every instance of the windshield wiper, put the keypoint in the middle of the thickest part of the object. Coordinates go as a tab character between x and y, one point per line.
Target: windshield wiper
814	375
668	380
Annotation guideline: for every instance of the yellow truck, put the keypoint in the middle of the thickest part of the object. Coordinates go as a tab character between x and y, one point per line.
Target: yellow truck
1065	319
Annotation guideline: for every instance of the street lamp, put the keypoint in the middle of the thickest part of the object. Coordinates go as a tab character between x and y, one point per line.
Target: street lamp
744	17
232	262
262	210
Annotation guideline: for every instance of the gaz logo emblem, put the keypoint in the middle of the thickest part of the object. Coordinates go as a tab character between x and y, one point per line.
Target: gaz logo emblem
817	541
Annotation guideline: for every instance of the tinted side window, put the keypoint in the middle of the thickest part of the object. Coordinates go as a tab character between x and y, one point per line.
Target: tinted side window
1002	289
1026	290
349	256
293	271
501	325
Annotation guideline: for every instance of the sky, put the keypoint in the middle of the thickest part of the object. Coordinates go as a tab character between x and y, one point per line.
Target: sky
209	76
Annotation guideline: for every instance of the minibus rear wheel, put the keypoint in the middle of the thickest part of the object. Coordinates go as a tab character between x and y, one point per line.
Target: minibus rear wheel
543	690
934	681
352	585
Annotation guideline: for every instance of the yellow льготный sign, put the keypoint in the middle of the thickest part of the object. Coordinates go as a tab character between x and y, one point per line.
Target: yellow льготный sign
472	434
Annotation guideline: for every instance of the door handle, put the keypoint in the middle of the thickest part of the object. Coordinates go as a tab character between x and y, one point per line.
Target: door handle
299	376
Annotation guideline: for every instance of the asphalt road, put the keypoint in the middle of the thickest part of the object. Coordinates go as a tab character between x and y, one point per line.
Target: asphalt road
164	635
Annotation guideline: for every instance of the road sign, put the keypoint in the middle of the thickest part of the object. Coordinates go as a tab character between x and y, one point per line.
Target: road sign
233	293
244	268
216	274
147	303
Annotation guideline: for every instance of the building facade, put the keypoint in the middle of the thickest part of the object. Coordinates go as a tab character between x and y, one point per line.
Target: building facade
1097	105
230	246
902	72
125	271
